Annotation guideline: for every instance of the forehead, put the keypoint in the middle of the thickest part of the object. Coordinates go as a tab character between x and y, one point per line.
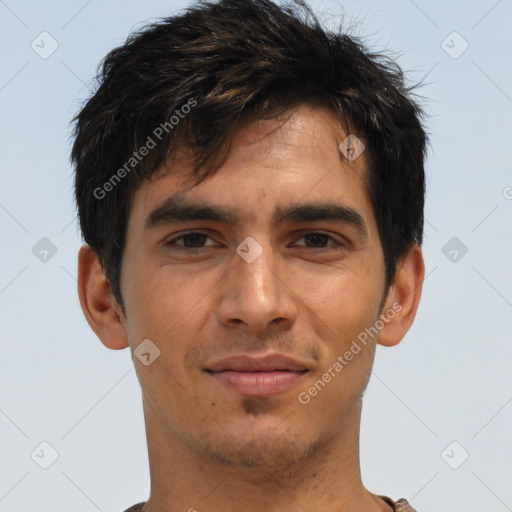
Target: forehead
293	158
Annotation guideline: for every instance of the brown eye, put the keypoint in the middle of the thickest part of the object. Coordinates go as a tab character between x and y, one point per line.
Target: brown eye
193	240
317	239
320	242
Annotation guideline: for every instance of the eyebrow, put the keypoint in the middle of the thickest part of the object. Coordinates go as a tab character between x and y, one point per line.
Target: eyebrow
175	209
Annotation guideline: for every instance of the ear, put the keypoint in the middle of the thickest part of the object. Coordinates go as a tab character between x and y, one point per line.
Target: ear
99	305
403	298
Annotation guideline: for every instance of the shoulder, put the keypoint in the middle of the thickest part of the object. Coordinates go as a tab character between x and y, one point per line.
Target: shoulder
402	505
136	508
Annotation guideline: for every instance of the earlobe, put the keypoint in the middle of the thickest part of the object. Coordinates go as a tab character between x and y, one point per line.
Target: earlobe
403	298
98	303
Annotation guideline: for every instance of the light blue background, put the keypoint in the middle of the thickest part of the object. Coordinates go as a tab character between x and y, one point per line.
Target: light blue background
449	380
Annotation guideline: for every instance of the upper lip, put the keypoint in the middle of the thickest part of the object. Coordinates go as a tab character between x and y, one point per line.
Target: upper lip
268	363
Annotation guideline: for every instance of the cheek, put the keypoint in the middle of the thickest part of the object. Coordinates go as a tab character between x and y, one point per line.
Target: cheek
345	300
161	298
170	308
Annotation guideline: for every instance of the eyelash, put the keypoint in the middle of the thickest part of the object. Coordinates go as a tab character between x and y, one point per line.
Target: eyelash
334	247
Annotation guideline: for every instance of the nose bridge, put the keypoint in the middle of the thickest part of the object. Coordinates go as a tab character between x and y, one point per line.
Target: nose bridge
256	269
255	294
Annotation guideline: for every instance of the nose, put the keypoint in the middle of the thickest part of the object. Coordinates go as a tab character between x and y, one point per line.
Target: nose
256	293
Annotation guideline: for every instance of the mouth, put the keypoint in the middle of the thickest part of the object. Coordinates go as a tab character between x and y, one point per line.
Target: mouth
261	376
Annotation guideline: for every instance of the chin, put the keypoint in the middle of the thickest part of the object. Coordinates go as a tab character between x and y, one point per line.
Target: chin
260	445
260	455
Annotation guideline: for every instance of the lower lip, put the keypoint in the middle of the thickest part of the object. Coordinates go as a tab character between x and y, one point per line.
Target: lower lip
258	383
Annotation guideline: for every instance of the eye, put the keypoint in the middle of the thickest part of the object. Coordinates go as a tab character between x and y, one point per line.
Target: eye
191	240
319	240
195	240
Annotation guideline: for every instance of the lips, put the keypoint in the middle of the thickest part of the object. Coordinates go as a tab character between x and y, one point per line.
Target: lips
258	376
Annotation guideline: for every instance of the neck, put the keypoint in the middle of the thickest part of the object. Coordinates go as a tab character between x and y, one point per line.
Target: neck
184	480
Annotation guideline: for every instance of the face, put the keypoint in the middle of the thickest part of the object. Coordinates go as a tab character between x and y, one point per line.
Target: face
253	285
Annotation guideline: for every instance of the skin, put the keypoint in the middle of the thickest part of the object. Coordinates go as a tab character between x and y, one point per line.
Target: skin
213	449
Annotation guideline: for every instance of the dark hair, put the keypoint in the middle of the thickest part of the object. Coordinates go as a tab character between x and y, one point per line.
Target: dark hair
228	61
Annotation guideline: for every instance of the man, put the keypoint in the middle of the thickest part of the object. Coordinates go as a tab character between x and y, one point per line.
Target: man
250	189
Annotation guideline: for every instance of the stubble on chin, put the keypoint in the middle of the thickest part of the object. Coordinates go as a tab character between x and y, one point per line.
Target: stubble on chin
272	457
